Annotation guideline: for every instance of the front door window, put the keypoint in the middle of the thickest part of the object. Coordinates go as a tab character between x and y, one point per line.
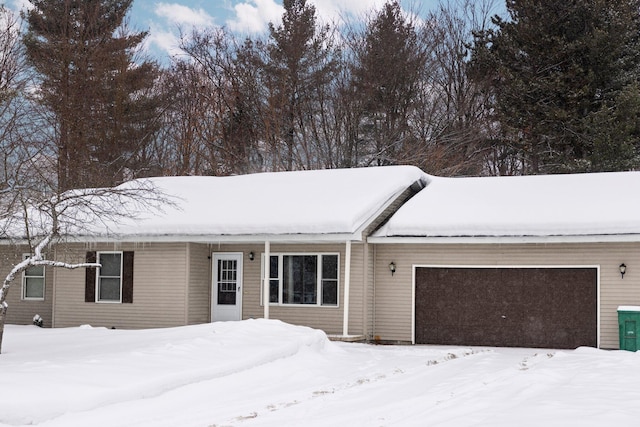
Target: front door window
227	281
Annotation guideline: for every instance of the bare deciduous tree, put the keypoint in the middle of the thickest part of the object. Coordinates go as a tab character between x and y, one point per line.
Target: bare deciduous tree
34	214
34	211
228	116
396	90
454	122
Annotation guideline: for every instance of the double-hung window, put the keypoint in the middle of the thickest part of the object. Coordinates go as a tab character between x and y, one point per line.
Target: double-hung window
304	279
109	277
113	282
33	282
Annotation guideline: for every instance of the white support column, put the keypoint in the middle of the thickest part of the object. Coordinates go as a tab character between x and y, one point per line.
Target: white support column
267	277
347	281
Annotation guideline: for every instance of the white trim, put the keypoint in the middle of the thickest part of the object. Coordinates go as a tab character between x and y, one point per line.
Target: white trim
443	240
347	282
23	296
187	288
342	237
97	292
497	266
215	239
266	279
365	224
413	303
239	257
507	265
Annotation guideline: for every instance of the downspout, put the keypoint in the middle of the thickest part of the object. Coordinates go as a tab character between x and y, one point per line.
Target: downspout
187	279
373	297
347	282
267	276
365	290
53	289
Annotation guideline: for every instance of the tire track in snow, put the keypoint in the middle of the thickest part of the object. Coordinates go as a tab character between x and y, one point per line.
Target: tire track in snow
353	384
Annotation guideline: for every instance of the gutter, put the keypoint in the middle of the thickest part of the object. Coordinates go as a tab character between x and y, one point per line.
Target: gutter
213	239
443	240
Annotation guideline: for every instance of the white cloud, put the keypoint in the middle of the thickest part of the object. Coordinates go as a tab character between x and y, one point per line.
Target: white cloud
252	16
163	40
175	18
335	10
178	14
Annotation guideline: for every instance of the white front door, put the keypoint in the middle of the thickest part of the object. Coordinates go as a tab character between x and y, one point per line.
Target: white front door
226	293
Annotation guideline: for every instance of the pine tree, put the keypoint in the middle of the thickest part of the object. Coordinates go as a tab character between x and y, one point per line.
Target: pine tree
557	70
389	65
101	99
300	63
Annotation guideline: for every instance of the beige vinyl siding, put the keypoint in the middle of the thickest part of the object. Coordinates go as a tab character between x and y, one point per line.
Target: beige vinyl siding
159	289
393	294
365	273
357	292
19	311
199	279
329	319
369	292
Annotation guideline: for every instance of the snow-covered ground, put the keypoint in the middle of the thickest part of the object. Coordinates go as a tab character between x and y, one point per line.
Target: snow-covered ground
269	373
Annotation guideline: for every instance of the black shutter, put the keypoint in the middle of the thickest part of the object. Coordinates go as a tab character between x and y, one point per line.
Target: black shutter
90	279
127	277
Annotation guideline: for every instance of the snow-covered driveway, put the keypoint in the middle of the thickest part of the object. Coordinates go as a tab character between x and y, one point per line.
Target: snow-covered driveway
267	373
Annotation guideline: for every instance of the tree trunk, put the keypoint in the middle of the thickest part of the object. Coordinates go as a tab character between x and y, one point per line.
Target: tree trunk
3	314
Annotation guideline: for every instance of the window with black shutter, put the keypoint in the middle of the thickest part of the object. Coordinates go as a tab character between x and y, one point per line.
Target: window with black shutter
112	282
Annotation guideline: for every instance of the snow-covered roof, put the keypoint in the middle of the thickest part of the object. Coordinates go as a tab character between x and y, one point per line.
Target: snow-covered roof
597	204
322	204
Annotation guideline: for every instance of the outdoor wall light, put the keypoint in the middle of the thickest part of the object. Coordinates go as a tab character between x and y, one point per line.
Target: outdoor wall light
392	267
623	269
251	256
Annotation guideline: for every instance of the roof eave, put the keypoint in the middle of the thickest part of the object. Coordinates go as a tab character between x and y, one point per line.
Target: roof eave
208	238
416	186
582	238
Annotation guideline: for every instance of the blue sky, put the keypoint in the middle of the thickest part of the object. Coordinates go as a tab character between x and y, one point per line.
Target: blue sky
164	18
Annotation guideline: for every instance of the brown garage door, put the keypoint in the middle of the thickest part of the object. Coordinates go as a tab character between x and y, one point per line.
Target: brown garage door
507	307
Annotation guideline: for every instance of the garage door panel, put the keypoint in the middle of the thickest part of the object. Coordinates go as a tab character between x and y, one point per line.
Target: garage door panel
528	307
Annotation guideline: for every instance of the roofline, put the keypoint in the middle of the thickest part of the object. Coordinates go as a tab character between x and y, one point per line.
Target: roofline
206	238
242	238
416	186
442	240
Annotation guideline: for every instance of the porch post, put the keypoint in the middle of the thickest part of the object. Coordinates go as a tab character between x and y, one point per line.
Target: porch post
267	276
347	281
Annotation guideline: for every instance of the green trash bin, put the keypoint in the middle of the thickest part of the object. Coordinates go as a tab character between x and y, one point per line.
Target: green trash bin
629	324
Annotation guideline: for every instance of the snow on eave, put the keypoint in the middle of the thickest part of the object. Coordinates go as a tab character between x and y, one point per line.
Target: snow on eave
322	205
417	186
479	240
215	239
357	235
592	206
